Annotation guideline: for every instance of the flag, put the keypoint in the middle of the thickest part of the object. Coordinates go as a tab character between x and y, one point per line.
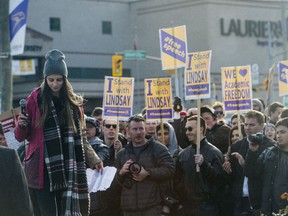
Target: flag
17	19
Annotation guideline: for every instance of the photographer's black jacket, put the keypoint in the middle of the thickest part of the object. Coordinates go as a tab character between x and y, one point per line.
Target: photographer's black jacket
197	187
141	195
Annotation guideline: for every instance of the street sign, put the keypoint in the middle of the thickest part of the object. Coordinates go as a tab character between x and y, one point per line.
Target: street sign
134	54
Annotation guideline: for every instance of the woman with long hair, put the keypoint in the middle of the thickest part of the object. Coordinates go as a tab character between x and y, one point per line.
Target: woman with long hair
57	151
235	135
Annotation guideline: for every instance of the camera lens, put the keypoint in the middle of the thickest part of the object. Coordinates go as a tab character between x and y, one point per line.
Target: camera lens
135	168
256	138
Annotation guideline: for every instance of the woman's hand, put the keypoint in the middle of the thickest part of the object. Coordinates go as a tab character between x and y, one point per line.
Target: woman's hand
99	167
23	120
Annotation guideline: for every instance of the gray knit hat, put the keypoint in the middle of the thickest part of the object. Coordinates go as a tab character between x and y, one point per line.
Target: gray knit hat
55	64
259	104
267	125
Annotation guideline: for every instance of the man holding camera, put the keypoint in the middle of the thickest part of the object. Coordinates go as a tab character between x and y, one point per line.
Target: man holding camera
271	168
247	191
143	164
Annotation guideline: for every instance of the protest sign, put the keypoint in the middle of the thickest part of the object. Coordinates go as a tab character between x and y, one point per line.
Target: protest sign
158	99
237	88
283	78
173	47
269	84
197	75
118	97
8	121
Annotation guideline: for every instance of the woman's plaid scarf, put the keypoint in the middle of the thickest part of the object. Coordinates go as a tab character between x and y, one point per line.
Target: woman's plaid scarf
64	158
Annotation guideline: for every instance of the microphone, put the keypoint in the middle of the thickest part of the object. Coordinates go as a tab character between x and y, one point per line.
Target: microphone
22	104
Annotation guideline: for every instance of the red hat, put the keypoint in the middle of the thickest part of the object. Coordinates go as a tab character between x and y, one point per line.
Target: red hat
183	113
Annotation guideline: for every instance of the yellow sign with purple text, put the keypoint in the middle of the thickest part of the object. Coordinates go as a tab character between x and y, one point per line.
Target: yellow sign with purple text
118	97
197	75
237	88
173	47
158	96
283	78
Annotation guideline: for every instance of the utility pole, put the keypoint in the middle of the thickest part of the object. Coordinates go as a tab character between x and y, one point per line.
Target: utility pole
6	81
284	29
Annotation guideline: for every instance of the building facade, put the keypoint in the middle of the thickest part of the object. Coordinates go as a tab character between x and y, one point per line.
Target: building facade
89	32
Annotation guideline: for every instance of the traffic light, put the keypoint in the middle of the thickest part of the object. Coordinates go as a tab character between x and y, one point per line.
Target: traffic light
117	66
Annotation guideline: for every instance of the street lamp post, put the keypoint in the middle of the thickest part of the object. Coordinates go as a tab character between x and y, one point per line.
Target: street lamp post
284	29
5	59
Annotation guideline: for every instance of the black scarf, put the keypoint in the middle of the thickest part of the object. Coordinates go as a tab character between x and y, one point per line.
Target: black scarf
64	158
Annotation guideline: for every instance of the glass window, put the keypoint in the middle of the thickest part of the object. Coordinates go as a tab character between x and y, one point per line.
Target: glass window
55	24
106	27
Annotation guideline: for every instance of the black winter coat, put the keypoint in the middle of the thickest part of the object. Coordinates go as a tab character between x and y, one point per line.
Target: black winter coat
14	195
218	135
179	128
272	168
255	181
237	175
238	172
194	187
111	160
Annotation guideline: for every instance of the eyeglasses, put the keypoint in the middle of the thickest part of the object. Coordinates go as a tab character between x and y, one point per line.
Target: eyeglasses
218	112
189	129
109	126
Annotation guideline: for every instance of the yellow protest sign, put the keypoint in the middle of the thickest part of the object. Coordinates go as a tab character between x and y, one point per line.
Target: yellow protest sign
158	99
237	88
118	97
283	78
173	47
197	75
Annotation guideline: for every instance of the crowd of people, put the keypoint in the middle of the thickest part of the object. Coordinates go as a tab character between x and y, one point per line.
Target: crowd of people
239	167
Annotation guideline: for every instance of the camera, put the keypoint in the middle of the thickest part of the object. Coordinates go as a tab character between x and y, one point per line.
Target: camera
256	138
135	168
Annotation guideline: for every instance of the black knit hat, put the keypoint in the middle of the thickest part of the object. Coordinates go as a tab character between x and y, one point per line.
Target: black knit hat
55	64
208	109
92	121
